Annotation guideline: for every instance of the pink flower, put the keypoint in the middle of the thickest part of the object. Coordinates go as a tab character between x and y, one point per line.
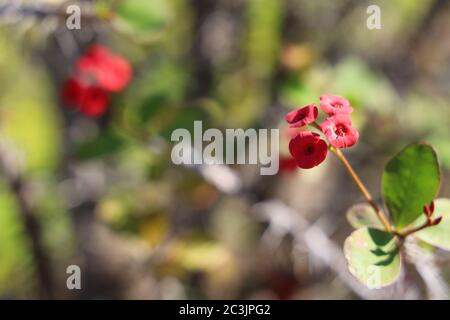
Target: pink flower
302	117
339	131
333	105
308	149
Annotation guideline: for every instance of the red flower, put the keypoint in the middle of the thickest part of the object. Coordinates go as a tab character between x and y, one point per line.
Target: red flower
302	117
94	101
97	52
308	149
110	71
287	164
339	131
91	100
333	105
97	73
72	92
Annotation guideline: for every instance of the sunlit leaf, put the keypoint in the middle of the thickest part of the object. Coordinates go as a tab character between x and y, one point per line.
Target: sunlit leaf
438	235
362	215
372	257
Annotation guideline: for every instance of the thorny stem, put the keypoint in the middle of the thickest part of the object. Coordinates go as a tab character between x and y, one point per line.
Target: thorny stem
406	233
401	235
384	220
18	188
362	188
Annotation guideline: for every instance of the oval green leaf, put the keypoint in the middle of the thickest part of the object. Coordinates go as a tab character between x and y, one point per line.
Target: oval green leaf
438	235
362	215
372	257
410	180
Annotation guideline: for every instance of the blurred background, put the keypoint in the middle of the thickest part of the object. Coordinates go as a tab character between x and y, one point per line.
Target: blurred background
102	193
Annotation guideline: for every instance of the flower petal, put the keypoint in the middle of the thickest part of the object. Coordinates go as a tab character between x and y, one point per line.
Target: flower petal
302	116
308	149
333	105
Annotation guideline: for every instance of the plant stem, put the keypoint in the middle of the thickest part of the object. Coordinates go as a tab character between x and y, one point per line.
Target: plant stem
380	214
406	233
17	185
362	188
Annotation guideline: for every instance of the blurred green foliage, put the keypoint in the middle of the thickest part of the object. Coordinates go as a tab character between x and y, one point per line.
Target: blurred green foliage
27	105
16	262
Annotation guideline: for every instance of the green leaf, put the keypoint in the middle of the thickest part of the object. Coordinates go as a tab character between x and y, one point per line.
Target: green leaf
410	180
372	257
103	145
362	215
438	235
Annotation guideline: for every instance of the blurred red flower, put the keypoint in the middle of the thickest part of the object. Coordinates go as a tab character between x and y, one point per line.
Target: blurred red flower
72	91
287	164
90	100
110	71
94	102
97	73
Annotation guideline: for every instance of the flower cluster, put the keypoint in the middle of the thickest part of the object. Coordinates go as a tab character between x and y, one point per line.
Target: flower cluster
97	73
308	148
